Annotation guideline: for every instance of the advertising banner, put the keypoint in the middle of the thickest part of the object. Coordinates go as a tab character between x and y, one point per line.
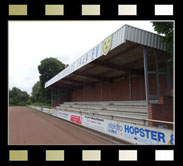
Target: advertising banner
38	108
34	107
138	134
54	112
45	110
76	118
64	115
98	124
50	111
114	128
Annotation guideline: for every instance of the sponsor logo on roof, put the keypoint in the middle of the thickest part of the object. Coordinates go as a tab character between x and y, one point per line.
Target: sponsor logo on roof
107	45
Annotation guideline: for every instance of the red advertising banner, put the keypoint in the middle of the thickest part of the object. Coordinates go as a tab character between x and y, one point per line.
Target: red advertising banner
76	119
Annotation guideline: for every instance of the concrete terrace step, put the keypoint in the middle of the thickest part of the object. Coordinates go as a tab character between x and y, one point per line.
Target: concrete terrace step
111	114
132	112
125	101
122	110
102	106
106	102
82	106
108	108
140	104
125	114
77	109
132	102
128	109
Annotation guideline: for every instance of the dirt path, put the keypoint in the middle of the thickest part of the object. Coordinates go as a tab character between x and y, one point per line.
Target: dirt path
29	127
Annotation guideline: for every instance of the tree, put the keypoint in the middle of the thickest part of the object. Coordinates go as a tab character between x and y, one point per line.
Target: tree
166	28
36	91
48	68
39	94
18	97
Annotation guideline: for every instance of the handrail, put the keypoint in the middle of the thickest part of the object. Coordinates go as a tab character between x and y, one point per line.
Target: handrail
160	121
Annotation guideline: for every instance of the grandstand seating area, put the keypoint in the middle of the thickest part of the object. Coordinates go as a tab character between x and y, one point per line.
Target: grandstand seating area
126	111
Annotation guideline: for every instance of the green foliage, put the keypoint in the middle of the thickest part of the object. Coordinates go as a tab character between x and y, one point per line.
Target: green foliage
166	28
18	97
48	68
39	94
36	90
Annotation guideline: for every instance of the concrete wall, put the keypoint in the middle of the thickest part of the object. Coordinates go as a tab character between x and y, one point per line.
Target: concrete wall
162	111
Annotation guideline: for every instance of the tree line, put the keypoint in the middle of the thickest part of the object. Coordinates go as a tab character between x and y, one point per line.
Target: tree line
48	68
18	97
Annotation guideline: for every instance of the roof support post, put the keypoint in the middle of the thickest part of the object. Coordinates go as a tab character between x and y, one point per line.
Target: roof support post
51	97
54	96
73	94
110	92
130	86
59	96
101	90
146	77
168	78
84	87
157	76
141	96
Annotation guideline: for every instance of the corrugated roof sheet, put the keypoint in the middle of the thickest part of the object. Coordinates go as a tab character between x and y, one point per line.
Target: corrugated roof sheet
125	33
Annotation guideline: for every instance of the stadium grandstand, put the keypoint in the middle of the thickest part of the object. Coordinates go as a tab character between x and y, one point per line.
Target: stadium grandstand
126	78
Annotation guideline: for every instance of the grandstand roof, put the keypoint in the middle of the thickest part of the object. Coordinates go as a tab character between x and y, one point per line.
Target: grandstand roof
118	55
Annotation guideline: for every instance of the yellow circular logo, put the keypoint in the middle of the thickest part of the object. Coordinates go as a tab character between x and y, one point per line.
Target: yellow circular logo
50	111
107	45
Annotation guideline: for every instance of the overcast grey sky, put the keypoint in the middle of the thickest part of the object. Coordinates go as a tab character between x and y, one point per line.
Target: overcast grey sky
32	41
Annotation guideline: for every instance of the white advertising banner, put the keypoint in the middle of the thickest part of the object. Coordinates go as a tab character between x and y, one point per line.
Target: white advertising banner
32	106
39	108
95	123
138	134
45	110
54	112
64	115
